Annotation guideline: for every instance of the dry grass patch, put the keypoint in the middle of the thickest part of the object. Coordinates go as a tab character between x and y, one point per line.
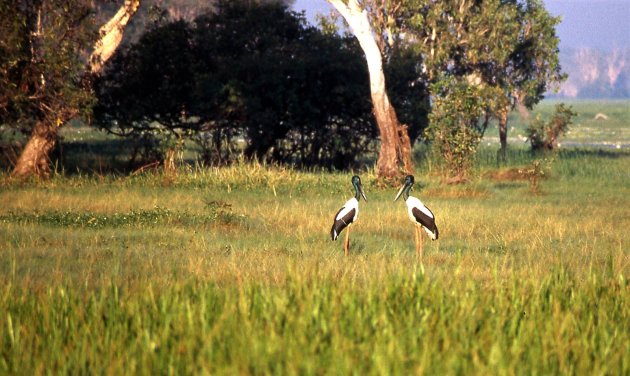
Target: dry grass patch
510	174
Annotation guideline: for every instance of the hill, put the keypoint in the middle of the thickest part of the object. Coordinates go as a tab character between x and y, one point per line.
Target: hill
594	73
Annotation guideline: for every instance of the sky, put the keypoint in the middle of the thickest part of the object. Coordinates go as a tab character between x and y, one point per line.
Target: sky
601	24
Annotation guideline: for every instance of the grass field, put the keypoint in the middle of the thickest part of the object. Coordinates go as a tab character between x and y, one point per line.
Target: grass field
602	123
230	270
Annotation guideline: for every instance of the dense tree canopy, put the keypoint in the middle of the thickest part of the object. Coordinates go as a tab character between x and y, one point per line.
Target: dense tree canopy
289	91
505	51
41	62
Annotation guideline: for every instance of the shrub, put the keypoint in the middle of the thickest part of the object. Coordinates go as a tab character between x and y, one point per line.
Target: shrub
454	125
544	135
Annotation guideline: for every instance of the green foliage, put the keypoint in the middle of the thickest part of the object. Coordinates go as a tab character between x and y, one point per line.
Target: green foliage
510	45
454	125
508	49
534	67
543	136
42	62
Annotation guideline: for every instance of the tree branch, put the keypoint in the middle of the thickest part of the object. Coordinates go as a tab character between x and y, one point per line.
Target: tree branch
111	35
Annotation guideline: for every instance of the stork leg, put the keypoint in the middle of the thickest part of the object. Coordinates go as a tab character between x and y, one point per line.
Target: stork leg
346	242
419	245
415	237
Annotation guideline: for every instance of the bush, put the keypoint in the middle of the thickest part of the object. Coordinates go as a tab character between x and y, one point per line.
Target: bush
543	136
454	125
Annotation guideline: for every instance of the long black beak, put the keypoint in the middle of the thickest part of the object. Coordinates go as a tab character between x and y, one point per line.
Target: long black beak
400	192
362	193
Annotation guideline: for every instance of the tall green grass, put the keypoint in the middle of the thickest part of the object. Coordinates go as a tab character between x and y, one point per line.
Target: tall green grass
407	323
230	270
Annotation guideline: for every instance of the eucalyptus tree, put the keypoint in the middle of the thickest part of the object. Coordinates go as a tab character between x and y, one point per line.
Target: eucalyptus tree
463	47
533	67
505	51
395	145
45	71
507	47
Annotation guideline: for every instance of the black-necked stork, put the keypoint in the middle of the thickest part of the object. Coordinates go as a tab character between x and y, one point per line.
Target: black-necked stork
419	214
348	214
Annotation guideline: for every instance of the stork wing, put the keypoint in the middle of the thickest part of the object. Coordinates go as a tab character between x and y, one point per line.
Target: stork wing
427	220
343	218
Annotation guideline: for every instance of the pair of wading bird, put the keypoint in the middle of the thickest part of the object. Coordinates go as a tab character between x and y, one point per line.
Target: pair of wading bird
419	214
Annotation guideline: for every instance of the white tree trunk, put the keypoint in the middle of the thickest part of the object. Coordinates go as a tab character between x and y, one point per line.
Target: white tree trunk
359	22
395	144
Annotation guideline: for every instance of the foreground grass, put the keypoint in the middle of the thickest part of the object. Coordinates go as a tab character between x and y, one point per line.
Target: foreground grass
405	323
230	270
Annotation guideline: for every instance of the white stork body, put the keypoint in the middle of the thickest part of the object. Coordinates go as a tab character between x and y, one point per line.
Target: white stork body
423	216
348	214
419	214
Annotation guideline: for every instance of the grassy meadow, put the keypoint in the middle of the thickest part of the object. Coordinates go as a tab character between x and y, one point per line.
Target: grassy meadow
600	123
231	271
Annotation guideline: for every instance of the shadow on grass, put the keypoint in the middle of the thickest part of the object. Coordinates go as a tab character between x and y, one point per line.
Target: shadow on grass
96	156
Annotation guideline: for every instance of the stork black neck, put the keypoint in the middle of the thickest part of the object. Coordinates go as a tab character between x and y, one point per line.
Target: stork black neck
357	193
406	190
358	189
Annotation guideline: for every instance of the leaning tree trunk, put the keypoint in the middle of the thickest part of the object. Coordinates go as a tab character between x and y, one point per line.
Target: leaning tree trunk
395	143
34	159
